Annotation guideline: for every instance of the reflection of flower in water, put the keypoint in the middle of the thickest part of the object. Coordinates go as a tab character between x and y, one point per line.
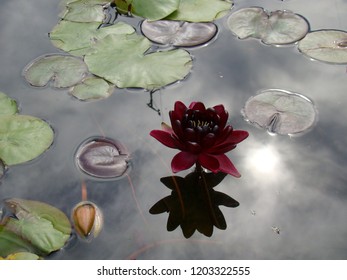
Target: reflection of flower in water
203	137
193	203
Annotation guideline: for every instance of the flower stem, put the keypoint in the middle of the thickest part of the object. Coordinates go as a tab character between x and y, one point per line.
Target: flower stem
198	167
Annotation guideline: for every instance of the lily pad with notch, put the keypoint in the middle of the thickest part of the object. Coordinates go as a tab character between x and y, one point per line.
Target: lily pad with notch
102	158
78	38
133	66
8	106
23	138
84	10
280	111
326	46
61	70
178	33
273	28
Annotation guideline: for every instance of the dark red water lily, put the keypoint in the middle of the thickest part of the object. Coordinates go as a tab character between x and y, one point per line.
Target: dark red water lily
202	136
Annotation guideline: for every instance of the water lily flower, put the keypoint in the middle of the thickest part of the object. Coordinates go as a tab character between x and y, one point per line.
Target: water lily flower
202	136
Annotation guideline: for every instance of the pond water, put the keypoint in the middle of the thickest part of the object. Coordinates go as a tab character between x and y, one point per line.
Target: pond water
292	191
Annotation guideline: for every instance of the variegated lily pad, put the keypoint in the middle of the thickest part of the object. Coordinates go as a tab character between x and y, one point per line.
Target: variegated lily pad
121	60
177	33
280	111
61	70
325	45
273	28
92	88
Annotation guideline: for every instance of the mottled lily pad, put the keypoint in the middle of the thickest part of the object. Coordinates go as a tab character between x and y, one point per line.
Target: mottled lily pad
61	70
121	60
325	45
84	10
102	158
21	256
43	227
8	106
176	33
201	10
23	138
92	88
78	38
150	9
273	28
280	111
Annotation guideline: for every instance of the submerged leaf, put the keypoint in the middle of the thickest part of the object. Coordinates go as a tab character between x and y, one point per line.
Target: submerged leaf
150	9
182	34
8	106
280	111
103	158
78	38
120	59
325	45
23	138
274	28
201	10
41	225
63	71
92	88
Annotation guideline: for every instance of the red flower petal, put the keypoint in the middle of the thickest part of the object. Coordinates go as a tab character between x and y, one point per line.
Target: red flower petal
182	161
165	138
197	106
209	162
226	166
180	109
223	114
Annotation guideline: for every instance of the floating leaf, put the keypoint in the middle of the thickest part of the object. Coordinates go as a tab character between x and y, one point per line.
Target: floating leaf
41	225
2	169
120	59
325	45
176	33
274	28
21	256
8	106
103	158
88	220
280	111
150	9
23	138
63	71
78	38
84	10
92	88
201	10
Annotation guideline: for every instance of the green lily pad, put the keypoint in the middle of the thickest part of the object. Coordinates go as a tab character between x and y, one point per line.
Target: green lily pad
274	28
78	38
8	106
176	33
150	9
92	88
21	256
120	59
201	10
23	138
84	10
325	45
41	225
280	111
63	71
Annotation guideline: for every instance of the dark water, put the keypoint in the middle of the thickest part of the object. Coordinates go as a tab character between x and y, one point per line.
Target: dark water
292	192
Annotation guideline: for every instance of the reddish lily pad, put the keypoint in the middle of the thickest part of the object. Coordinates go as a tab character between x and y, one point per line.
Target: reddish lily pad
102	158
280	111
177	33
